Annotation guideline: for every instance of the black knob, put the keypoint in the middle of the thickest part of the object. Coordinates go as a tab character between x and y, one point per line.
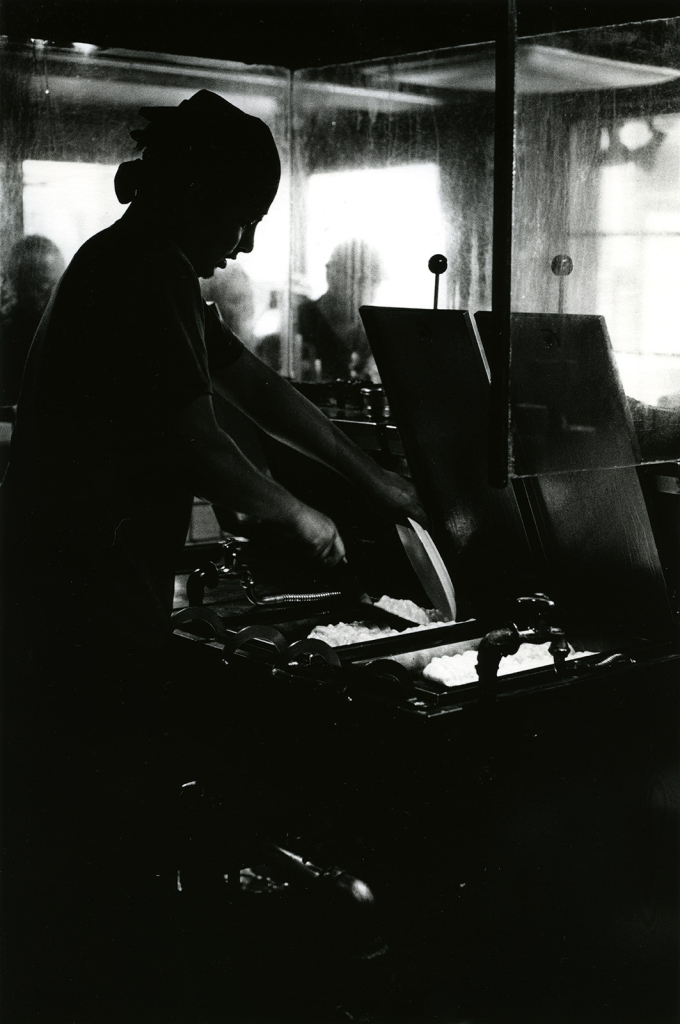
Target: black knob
561	266
437	263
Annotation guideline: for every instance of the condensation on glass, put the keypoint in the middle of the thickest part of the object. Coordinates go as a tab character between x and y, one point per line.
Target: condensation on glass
596	250
67	113
393	161
390	161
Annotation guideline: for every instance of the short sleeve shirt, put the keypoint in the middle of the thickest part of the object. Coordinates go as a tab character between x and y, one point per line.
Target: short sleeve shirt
95	508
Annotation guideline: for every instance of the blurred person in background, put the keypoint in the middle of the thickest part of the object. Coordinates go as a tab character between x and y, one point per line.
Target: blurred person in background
333	337
231	291
34	267
269	332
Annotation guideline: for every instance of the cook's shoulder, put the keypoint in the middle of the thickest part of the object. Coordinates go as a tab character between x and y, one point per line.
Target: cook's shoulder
131	254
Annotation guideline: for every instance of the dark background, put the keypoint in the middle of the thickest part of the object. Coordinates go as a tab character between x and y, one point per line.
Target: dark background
302	33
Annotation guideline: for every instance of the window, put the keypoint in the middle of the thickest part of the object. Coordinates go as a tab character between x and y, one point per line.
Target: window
68	202
639	254
396	210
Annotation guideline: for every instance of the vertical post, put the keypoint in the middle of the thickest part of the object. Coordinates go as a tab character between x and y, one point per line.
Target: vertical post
290	347
501	289
15	110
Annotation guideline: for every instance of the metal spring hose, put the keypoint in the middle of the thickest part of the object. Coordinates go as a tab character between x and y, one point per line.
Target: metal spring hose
210	575
322	595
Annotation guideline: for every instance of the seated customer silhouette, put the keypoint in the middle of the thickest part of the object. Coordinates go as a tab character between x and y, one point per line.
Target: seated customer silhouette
232	292
34	267
332	333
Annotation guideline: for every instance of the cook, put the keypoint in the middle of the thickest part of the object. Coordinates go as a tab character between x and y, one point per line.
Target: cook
115	434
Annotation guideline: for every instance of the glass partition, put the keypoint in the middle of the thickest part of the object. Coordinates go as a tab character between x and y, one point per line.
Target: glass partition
392	163
388	162
67	113
596	249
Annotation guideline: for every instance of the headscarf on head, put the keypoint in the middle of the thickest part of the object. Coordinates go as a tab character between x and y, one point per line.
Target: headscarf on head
207	139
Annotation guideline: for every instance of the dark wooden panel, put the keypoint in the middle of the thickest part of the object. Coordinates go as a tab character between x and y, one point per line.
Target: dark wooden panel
596	552
568	406
438	389
601	551
570	413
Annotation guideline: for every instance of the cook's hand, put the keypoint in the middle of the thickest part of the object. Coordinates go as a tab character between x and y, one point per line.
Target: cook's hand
394	496
317	534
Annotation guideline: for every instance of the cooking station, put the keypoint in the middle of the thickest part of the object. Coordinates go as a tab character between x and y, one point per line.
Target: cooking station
439	782
507	825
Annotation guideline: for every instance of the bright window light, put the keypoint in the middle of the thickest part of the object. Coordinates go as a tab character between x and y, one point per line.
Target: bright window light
397	210
68	202
638	259
268	262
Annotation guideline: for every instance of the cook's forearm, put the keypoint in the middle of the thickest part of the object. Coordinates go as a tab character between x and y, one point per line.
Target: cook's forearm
224	476
281	411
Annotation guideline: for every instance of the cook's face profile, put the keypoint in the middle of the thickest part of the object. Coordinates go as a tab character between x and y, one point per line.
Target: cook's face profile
225	229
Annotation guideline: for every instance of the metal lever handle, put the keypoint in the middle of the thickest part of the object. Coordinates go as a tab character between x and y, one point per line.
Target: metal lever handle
561	266
437	264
